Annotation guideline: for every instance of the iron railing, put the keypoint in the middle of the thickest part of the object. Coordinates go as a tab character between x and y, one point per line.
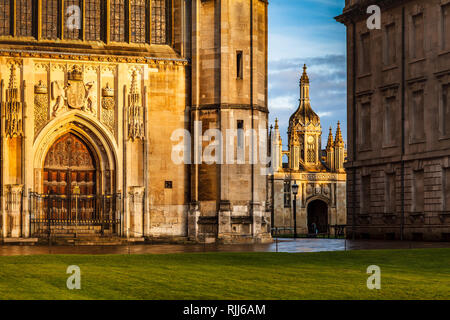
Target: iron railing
48	214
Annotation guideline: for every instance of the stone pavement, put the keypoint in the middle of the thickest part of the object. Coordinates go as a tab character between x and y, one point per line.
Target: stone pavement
282	245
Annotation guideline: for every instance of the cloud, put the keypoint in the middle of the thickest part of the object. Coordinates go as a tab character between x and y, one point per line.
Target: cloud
305	32
282	102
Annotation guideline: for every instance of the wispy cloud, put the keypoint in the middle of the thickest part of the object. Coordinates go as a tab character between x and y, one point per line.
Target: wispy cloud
304	32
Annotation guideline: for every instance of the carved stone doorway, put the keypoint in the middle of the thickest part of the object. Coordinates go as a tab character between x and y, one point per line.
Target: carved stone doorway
317	217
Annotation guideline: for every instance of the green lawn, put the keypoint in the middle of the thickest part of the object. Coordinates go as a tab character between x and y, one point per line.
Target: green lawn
405	274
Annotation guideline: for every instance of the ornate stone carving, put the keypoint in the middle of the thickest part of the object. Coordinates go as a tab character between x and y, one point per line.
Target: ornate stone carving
76	95
40	107
326	190
135	111
318	189
108	106
13	107
58	94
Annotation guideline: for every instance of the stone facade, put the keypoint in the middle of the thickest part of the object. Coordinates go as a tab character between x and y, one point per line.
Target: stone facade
121	86
321	199
398	120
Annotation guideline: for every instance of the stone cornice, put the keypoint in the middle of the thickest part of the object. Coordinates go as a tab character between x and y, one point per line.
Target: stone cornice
226	106
92	57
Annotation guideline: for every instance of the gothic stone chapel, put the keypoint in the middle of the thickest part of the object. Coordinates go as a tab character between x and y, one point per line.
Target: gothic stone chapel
91	92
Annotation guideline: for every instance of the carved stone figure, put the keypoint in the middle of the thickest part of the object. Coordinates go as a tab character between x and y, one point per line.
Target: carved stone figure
90	96
58	94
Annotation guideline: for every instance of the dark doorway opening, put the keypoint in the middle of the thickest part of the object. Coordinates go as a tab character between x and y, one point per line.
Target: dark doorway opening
317	217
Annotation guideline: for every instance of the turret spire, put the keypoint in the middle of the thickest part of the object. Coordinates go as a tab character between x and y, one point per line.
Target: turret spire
339	141
304	85
330	143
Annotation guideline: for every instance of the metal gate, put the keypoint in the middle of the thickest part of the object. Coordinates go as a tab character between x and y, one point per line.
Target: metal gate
53	215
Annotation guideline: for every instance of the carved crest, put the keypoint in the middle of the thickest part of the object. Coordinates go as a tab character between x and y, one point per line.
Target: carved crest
76	94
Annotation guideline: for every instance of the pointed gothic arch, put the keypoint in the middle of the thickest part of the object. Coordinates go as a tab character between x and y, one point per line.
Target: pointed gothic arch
100	143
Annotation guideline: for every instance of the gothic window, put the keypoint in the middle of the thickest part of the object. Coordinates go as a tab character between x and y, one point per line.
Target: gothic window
445	27
418	36
417	116
118	15
365	131
389	120
365	195
93	20
24	18
5	22
365	59
391	195
390	45
311	152
239	65
287	194
445	119
159	21
418	192
138	20
50	19
73	13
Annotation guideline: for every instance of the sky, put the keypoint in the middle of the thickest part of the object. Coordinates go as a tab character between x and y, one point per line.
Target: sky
304	31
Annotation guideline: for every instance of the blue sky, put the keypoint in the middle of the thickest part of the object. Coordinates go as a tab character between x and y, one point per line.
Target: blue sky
304	31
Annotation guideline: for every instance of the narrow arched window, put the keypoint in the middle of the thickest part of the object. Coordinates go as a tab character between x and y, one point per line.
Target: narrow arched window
51	19
73	22
160	21
94	20
25	18
118	14
5	18
138	26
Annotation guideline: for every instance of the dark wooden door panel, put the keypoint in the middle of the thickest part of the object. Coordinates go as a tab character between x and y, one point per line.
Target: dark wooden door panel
69	162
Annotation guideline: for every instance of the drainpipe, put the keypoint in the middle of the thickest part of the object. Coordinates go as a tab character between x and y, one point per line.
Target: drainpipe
402	222
253	120
1	158
354	133
124	162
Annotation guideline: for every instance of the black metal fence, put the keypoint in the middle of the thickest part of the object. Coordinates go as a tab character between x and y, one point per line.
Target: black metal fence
333	231
78	214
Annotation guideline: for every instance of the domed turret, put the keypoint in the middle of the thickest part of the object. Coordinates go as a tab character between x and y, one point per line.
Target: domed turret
304	132
304	115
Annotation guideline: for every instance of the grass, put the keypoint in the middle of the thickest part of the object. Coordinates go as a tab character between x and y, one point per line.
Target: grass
405	274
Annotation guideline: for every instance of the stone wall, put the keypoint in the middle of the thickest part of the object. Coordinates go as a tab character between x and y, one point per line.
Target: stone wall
414	152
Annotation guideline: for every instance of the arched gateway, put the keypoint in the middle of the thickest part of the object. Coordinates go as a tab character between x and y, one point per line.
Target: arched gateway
317	217
74	186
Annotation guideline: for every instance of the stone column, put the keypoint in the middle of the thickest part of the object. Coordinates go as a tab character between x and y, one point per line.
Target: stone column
257	218
14	216
194	213
224	220
135	211
3	198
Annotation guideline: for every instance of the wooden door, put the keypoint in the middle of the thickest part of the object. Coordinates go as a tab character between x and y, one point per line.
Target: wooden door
69	162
